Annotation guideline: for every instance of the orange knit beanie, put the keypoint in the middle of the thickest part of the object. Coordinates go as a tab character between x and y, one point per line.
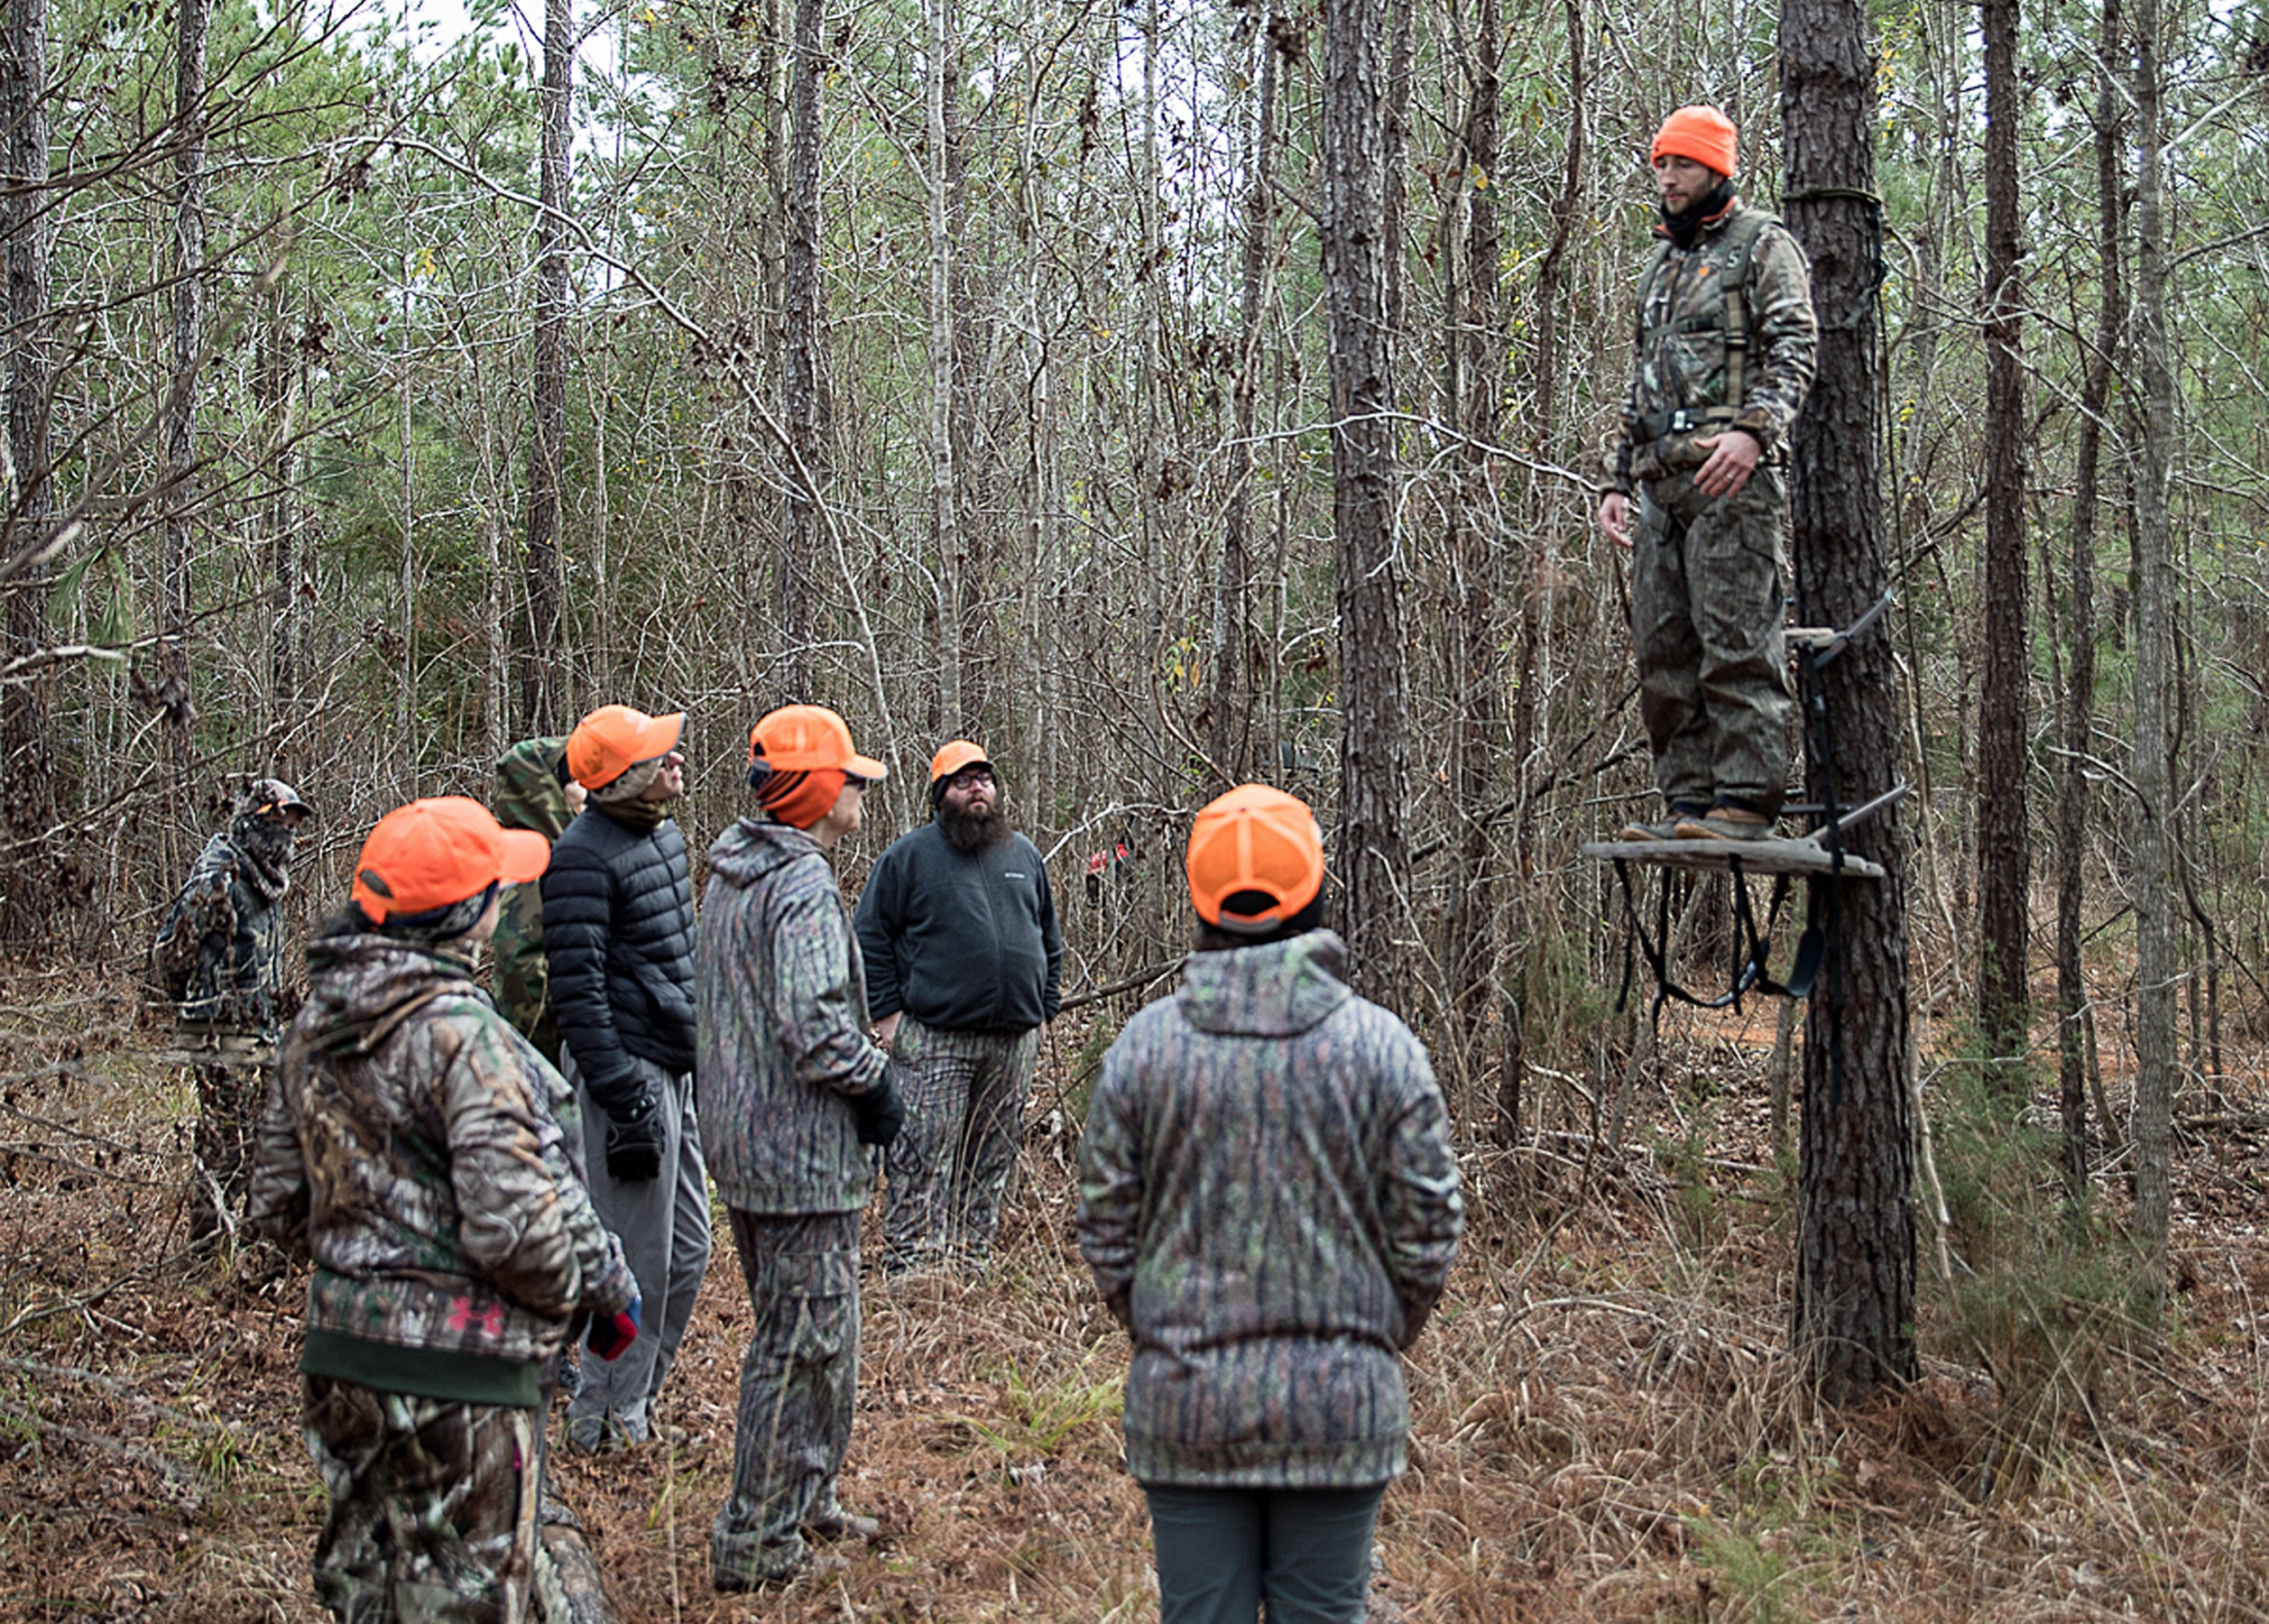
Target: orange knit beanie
1701	133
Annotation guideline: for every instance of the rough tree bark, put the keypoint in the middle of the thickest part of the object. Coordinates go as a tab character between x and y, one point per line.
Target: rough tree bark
174	689
27	759
945	538
1853	1319
1474	349
796	565
2079	679
2004	838
1373	839
539	689
2154	475
1229	731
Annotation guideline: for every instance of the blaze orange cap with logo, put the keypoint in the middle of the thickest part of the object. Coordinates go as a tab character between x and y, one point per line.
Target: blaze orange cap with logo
1254	839
615	738
1701	133
809	738
953	755
432	853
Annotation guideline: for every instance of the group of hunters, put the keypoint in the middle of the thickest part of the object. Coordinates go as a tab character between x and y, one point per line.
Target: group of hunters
491	1174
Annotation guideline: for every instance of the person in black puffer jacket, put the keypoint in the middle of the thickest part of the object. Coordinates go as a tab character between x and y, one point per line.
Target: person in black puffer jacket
619	947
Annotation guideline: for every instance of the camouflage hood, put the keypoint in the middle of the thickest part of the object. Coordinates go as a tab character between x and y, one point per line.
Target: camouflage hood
528	794
753	848
1274	991
362	986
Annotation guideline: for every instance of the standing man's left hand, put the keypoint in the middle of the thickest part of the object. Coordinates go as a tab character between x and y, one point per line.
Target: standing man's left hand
1733	458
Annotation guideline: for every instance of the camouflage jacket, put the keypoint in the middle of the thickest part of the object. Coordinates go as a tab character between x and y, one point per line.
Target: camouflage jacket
1679	348
528	797
780	1002
1270	1205
217	956
411	1146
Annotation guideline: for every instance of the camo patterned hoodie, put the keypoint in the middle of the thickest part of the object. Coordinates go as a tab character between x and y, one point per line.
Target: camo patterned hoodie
1270	1205
410	1145
780	1001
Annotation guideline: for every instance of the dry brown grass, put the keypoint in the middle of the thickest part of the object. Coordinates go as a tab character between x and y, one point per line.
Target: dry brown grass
1607	1427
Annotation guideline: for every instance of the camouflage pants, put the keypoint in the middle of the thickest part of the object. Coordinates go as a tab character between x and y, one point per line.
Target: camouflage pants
231	1088
799	1381
433	1506
964	1095
1706	605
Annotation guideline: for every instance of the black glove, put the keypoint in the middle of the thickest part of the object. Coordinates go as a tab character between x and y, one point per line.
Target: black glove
881	1113
634	1143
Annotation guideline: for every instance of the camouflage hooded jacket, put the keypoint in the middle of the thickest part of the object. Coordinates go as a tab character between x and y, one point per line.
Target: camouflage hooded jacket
1679	348
529	796
410	1147
219	954
780	1001
1270	1205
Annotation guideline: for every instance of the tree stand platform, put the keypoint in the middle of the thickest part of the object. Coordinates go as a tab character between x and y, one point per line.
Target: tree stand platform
1818	857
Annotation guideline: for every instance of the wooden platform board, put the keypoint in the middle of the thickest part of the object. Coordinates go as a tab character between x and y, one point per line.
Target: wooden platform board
1756	856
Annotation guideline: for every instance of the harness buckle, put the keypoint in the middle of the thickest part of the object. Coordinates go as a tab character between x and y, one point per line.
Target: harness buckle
1684	420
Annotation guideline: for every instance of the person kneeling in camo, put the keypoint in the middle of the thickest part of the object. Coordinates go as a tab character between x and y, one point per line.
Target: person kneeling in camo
408	1145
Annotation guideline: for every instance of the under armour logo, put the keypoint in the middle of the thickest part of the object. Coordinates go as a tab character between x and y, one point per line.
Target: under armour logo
463	1316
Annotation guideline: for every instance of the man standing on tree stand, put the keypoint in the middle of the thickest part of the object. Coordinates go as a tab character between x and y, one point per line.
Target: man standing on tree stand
958	927
1724	357
219	958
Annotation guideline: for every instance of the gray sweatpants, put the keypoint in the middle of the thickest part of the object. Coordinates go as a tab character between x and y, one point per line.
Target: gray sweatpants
964	1095
664	1225
1707	607
1223	1552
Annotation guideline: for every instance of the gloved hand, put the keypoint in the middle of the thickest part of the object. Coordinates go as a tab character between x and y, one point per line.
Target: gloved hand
634	1143
610	1337
881	1113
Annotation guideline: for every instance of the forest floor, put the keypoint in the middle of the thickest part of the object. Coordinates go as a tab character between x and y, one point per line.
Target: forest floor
1607	1427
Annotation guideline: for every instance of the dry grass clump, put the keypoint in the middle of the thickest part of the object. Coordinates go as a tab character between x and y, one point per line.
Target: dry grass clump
1607	1425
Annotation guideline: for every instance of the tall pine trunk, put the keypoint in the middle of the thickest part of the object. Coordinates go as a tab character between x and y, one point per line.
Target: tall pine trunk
175	685
2004	839
796	565
1853	1319
540	697
1373	840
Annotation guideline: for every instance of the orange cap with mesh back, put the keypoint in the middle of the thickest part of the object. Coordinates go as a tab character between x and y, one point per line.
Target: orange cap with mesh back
953	755
1254	839
1701	133
809	738
613	738
433	853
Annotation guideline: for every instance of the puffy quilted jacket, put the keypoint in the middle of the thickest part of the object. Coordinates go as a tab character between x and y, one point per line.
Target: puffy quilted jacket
619	940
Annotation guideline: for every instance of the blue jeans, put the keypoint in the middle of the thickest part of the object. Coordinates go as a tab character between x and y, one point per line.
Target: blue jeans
1223	1552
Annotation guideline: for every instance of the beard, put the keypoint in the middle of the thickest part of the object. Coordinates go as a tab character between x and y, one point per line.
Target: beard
970	833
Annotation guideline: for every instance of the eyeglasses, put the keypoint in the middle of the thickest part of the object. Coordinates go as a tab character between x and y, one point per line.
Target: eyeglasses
969	777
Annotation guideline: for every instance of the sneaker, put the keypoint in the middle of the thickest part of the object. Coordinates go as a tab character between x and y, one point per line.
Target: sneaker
1662	828
1726	823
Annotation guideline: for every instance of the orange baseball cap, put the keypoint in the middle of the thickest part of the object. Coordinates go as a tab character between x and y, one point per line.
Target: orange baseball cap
1254	839
809	738
615	738
1701	133
953	755
434	852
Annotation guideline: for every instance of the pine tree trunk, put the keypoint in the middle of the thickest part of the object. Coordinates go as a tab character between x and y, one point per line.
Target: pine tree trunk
540	699
797	566
1373	843
2155	470
2079	683
2004	839
175	685
1853	1319
27	756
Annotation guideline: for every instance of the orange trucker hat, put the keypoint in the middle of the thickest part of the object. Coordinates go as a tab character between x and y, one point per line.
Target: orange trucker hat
953	756
613	738
1254	839
432	853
